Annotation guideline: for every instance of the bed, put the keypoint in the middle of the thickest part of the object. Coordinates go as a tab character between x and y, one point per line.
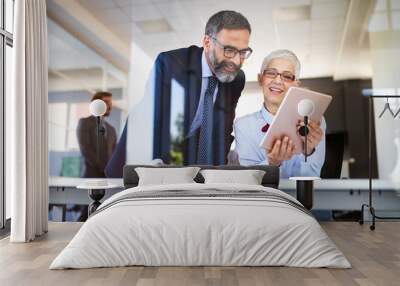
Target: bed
198	224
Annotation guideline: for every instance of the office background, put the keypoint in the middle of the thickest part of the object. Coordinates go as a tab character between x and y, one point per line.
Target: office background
345	47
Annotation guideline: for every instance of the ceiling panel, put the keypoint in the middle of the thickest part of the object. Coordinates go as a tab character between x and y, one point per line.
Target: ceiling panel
142	12
321	37
328	25
173	8
316	40
112	16
396	20
337	8
380	5
298	29
378	22
288	3
395	4
98	4
123	3
124	30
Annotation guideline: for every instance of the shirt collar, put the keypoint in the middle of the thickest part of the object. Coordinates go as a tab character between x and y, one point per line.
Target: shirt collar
267	116
205	68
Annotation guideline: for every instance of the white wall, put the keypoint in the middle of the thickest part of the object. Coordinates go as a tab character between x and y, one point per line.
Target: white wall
250	101
385	56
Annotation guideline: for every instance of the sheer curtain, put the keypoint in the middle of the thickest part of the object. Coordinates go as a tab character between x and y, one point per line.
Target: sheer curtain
27	123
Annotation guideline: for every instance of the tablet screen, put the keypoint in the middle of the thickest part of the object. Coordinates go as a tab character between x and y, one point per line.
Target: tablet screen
289	113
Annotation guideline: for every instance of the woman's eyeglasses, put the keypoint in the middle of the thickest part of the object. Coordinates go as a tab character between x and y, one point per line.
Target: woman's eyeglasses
285	76
231	52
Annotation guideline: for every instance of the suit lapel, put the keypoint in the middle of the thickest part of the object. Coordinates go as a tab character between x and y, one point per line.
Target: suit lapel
192	99
195	79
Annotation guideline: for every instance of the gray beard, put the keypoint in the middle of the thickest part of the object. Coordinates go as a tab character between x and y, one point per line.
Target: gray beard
221	76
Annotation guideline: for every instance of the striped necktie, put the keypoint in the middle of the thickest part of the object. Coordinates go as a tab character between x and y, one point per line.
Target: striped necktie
205	150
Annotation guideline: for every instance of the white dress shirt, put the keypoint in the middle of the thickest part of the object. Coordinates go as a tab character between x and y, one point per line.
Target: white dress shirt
248	135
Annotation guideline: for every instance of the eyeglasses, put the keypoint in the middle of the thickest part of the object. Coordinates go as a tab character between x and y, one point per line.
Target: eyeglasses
285	76
231	52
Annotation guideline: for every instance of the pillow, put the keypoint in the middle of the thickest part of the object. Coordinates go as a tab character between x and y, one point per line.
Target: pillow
248	177
165	176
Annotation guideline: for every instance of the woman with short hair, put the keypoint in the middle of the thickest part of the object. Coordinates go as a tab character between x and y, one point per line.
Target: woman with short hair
280	71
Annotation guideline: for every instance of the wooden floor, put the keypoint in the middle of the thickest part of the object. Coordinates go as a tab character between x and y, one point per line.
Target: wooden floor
375	257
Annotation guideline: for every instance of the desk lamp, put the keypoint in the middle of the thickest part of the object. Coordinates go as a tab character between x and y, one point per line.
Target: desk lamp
305	108
98	108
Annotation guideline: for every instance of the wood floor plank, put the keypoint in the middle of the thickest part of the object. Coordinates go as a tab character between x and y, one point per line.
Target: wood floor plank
374	255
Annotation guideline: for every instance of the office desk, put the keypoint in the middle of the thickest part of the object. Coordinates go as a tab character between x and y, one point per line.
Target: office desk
344	185
330	194
349	194
59	182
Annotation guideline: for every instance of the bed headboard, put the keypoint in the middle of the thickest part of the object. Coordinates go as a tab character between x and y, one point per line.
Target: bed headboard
270	179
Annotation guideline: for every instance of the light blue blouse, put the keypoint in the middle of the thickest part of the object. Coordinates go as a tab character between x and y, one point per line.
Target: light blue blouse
248	135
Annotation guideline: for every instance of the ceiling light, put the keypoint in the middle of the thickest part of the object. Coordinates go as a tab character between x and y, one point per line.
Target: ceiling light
154	26
291	14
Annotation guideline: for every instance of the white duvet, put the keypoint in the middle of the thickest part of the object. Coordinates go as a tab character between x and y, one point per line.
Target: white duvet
185	231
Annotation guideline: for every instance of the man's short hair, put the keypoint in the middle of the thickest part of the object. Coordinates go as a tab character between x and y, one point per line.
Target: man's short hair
100	95
226	19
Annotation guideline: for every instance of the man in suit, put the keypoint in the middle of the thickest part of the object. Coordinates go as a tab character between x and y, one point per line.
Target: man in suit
212	80
95	160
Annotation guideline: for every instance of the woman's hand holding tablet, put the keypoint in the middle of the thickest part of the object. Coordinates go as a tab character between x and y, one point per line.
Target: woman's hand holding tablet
287	122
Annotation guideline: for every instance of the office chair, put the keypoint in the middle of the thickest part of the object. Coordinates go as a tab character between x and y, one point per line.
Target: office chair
332	167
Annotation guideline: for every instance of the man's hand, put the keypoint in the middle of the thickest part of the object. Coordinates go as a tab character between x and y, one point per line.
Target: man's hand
281	150
314	136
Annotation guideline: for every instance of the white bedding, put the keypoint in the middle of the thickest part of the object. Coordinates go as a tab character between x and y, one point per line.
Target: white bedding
183	231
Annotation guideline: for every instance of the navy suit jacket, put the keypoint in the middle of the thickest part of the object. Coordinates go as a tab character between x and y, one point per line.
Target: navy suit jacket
184	66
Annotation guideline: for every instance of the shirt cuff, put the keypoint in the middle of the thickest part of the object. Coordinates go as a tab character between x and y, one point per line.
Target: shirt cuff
267	163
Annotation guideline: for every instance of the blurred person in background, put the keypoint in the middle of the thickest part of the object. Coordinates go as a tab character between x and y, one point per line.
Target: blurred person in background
95	160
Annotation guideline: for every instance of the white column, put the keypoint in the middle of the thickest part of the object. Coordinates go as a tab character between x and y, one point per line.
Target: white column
141	108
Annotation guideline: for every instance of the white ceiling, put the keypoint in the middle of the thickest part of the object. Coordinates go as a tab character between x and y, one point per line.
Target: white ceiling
71	64
62	43
314	29
315	40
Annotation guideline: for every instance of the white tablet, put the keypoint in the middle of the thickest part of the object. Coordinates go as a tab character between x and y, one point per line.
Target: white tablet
287	116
